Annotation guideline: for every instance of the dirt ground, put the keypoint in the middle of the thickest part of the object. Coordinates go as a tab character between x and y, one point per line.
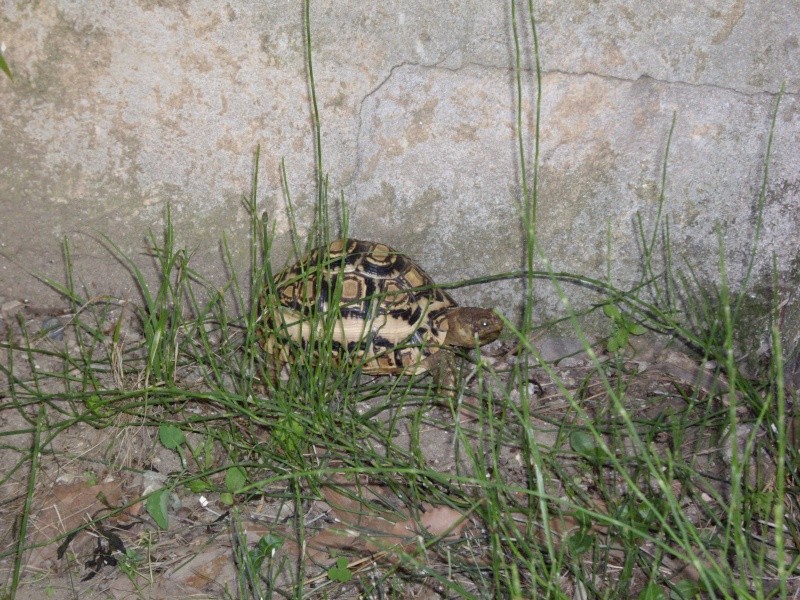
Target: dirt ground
88	474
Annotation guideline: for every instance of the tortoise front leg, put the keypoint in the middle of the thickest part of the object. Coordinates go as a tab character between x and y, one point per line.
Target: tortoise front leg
442	367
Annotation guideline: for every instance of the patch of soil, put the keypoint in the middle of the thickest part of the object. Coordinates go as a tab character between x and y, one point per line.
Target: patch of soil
90	536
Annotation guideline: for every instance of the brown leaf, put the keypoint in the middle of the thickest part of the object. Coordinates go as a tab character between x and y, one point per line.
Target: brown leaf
441	520
206	569
66	507
366	526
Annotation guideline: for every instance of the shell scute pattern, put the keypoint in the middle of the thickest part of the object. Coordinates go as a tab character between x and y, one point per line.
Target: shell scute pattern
388	314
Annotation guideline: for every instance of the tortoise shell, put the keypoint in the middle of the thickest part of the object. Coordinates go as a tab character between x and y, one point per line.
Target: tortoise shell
387	314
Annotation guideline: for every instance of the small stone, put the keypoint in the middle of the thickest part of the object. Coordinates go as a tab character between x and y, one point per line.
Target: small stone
54	329
10	308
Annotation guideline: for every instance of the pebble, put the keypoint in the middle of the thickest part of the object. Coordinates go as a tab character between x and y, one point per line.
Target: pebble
10	308
54	329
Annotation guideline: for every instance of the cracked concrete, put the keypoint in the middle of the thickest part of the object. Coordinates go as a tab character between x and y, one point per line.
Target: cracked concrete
118	108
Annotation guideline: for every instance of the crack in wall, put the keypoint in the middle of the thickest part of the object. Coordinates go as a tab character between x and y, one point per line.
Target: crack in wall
439	66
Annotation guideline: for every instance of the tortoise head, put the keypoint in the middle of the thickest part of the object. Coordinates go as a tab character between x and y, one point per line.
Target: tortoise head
468	326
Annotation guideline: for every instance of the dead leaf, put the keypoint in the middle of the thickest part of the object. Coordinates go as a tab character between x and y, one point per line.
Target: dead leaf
64	508
364	524
206	569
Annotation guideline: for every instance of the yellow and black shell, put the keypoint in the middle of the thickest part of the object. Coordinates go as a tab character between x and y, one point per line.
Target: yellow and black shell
383	310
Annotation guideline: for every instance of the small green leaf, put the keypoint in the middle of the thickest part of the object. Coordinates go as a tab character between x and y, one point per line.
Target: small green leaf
623	326
170	436
289	433
652	592
584	444
583	520
96	405
226	498
340	572
270	543
198	486
611	311
156	507
684	590
266	547
4	67
235	479
580	543
618	340
637	514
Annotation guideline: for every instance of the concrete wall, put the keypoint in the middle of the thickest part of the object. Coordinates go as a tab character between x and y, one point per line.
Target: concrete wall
118	108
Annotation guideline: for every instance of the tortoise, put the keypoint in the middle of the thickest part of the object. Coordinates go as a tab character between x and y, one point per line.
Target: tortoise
385	313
